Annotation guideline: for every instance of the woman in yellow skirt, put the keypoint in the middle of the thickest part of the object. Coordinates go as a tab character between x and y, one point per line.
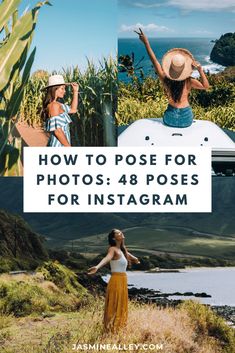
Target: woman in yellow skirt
116	301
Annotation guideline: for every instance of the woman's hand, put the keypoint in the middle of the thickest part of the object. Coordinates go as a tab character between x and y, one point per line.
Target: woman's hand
136	261
74	104
92	270
196	65
142	36
74	86
151	54
204	84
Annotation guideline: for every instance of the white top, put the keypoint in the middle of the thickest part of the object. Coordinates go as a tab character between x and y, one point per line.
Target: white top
152	132
119	265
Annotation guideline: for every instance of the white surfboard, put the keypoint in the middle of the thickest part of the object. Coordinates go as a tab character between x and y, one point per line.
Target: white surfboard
152	132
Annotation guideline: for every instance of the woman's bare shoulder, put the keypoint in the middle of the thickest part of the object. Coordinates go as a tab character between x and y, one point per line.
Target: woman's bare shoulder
111	251
114	250
195	83
54	108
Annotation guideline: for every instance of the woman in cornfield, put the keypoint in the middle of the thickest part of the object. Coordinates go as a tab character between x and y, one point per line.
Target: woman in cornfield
175	74
56	114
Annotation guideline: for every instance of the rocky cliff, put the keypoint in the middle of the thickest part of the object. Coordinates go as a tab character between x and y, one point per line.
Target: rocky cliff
223	52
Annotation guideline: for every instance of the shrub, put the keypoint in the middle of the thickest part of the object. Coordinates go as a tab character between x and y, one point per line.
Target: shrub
27	294
64	278
22	299
146	99
210	324
220	94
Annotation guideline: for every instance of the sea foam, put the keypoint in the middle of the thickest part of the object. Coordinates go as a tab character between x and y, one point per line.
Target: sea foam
210	67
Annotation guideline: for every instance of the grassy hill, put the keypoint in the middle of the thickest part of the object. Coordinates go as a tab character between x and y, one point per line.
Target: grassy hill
207	234
172	240
20	246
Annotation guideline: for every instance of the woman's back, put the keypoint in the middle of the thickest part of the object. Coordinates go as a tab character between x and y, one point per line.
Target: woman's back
178	92
175	73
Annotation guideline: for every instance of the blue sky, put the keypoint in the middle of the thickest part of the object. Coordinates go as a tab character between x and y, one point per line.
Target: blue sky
176	18
70	30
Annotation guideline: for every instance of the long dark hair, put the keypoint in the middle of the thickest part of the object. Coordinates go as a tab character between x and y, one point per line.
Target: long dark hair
174	88
48	98
112	241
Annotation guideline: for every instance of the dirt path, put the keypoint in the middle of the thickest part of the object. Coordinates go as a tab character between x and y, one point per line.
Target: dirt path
33	137
28	136
37	334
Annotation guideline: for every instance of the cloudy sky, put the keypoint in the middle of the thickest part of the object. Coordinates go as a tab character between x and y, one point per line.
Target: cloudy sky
70	30
176	18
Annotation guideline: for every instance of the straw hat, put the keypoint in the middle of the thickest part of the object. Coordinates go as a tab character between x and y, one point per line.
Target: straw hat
55	80
177	64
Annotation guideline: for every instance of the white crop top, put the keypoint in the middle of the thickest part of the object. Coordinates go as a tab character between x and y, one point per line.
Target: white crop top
119	265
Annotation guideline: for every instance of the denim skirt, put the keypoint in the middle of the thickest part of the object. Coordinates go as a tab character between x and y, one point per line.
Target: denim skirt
178	117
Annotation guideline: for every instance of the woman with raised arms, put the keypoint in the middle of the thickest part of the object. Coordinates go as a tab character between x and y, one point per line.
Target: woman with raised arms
175	74
116	302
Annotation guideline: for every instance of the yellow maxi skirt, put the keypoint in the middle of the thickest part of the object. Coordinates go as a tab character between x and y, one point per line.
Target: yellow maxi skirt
116	302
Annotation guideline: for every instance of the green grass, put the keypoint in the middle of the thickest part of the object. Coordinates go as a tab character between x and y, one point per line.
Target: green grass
168	239
52	288
180	330
62	277
210	324
42	316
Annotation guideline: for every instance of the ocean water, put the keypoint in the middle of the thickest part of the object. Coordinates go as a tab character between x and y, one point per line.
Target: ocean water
217	282
199	47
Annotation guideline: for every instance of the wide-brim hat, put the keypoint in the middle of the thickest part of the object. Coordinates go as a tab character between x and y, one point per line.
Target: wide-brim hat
177	64
55	80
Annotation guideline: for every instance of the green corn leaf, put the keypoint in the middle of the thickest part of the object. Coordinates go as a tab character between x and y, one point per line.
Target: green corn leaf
19	39
6	29
17	96
92	90
41	3
18	67
8	159
7	8
14	18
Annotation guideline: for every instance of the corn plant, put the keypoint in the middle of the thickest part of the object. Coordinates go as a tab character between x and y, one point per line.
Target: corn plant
15	66
31	103
97	102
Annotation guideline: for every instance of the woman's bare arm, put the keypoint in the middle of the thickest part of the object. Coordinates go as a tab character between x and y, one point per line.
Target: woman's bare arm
103	262
155	62
132	258
74	104
196	84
